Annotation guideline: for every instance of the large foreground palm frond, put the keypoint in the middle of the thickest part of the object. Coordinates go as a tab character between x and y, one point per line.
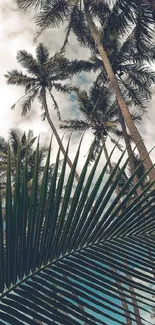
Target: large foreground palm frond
56	257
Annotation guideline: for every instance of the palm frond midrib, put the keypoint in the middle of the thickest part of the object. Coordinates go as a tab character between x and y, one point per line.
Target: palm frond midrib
65	256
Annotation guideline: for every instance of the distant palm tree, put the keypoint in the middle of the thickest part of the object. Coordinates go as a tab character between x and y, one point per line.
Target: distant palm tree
101	115
44	74
18	139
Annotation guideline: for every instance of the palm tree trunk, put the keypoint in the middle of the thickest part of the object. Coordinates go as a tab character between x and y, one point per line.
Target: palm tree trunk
107	156
57	135
123	300
134	301
109	162
129	148
114	83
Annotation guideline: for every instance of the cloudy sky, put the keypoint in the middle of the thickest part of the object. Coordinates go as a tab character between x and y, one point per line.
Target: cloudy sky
17	31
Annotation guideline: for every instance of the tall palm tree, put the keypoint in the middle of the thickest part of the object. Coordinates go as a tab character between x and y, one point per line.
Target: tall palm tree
50	262
44	74
130	68
101	115
81	16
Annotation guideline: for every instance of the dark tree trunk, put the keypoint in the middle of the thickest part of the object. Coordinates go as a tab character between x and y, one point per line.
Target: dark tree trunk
57	135
129	148
109	163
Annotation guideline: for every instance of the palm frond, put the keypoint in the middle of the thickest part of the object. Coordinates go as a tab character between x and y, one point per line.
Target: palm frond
54	261
55	105
42	53
53	13
100	10
64	88
16	77
24	5
3	145
138	98
14	137
140	76
28	62
136	116
68	29
95	148
28	100
75	125
120	17
144	28
79	27
79	66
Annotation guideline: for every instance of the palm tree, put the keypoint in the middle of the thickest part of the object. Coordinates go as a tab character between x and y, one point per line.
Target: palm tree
50	262
44	74
101	115
130	68
80	16
18	139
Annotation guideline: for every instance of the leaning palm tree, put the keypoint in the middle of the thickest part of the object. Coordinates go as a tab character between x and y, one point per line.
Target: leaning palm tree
44	74
80	17
52	262
129	64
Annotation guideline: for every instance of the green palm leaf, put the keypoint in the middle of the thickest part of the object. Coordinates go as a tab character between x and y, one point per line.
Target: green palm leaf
56	256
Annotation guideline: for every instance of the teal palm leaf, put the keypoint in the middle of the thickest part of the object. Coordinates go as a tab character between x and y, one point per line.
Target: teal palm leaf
61	255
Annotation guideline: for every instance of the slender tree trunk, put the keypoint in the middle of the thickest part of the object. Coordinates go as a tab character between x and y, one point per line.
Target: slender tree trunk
107	156
57	135
129	148
109	163
134	301
114	83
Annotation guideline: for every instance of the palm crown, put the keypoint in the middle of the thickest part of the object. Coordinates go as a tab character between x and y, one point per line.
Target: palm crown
17	140
100	115
44	72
